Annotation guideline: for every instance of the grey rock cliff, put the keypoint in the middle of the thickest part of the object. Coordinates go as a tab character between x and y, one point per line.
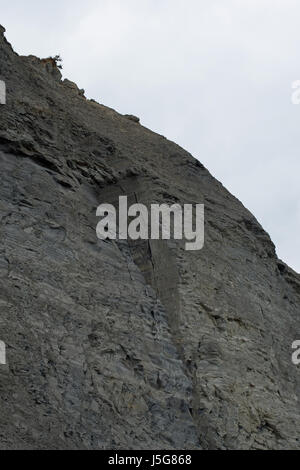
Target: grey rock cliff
138	345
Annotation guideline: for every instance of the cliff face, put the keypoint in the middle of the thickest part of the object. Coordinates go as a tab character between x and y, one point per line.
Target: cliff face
116	344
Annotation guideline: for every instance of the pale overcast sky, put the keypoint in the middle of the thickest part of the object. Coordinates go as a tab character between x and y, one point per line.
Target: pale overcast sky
213	75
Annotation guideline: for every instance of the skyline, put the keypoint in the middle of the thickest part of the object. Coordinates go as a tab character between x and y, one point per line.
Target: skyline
214	78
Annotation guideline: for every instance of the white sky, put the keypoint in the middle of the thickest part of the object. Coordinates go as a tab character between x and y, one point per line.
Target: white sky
213	75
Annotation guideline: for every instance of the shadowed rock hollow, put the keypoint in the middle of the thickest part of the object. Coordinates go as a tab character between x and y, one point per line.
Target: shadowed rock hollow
139	345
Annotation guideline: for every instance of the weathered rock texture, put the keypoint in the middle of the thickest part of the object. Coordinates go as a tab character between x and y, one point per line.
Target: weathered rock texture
116	345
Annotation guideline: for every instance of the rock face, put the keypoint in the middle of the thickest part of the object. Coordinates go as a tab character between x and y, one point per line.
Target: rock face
130	345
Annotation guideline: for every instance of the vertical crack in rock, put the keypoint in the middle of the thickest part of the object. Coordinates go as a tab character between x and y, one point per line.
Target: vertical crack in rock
130	345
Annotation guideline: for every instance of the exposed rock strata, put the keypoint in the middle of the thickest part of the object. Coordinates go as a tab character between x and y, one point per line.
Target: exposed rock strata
130	344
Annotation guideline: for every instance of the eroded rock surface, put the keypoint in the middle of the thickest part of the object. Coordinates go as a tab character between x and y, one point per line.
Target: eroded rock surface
139	345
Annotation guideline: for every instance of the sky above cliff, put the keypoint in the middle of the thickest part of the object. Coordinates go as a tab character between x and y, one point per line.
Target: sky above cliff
214	76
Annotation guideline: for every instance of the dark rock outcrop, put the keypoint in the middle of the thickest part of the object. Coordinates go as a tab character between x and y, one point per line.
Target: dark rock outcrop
130	344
